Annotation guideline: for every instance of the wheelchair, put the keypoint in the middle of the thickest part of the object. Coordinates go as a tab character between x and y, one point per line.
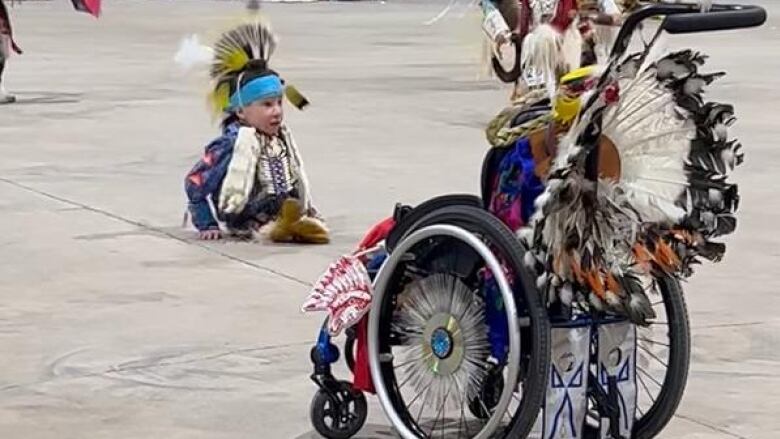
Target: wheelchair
458	339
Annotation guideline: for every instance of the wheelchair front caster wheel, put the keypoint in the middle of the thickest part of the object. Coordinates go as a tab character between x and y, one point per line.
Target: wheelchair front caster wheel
339	414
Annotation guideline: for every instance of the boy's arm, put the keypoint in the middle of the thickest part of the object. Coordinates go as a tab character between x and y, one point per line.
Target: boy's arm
202	181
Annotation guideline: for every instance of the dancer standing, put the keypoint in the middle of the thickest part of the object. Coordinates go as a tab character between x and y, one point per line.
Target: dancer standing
7	46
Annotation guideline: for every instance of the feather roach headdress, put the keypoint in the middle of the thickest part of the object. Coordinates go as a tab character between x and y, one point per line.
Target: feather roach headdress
240	58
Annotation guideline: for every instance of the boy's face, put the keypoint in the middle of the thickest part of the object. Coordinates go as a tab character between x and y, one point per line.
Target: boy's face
265	116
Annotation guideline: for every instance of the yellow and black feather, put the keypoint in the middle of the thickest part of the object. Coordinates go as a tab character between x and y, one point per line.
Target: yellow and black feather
250	43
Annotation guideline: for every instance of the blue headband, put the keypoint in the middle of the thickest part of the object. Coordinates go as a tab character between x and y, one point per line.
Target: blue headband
264	87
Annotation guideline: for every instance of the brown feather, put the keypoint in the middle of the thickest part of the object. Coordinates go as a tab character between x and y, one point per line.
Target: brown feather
644	258
665	256
576	268
613	285
596	283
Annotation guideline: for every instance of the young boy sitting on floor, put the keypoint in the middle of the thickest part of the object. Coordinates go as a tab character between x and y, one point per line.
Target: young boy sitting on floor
253	173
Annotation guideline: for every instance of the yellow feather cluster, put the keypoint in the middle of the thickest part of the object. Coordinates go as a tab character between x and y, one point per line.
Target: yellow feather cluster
230	57
219	99
250	32
233	60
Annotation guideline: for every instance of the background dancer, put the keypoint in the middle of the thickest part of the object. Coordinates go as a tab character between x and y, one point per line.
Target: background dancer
7	46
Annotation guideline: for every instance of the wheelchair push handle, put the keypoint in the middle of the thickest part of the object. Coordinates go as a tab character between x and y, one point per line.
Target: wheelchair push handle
687	18
721	17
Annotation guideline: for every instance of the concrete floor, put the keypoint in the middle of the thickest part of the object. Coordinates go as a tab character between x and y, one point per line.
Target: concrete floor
116	323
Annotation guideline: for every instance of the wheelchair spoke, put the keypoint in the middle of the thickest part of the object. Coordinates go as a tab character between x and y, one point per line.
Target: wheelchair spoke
484	407
435	419
441	412
650	377
644	385
654	342
406	380
413	374
418	395
422	406
462	420
653	356
412	361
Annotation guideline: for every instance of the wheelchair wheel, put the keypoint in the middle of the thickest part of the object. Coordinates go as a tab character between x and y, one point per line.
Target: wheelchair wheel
663	357
665	347
340	415
431	345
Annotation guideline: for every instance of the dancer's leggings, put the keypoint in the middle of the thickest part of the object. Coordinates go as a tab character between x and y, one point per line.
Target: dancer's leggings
495	315
3	56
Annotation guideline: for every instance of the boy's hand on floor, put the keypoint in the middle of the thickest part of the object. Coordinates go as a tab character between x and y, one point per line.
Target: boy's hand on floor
210	235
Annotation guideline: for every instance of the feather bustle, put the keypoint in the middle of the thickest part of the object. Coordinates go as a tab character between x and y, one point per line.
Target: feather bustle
660	216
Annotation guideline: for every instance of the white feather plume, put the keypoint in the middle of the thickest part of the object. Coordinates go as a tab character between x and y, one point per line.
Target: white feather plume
541	54
529	260
653	141
571	47
192	53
